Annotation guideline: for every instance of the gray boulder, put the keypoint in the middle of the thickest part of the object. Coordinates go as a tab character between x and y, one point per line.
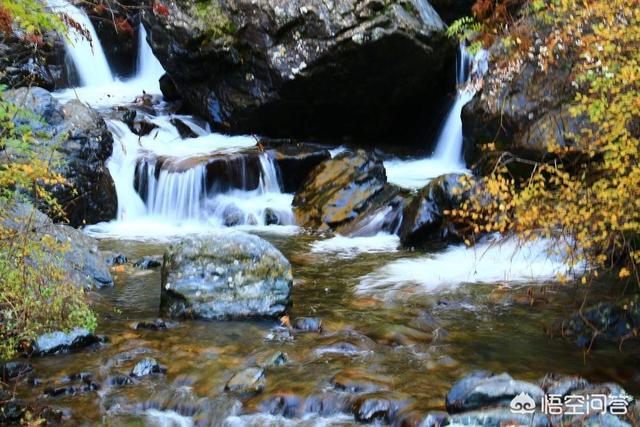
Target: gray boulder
84	264
225	275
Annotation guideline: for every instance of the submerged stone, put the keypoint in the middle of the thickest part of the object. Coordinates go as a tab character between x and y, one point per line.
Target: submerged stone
247	381
147	366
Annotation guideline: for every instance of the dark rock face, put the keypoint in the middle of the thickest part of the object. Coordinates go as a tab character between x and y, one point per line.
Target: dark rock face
306	68
338	190
450	10
85	265
607	321
80	157
30	63
148	262
295	161
521	108
230	275
424	217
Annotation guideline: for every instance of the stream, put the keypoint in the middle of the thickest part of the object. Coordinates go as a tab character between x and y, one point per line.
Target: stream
398	323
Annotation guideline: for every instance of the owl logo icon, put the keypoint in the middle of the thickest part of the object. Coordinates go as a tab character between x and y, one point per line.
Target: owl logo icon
523	404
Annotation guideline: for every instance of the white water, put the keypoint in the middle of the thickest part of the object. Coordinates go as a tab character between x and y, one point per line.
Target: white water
488	262
344	247
87	55
176	202
447	156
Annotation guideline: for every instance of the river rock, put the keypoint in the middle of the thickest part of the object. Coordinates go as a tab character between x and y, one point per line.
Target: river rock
308	324
84	264
606	321
376	408
147	366
483	389
248	381
65	342
424	218
338	190
148	262
80	157
305	68
225	275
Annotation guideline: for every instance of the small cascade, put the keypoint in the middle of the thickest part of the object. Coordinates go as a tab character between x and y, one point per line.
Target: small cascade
447	156
149	70
87	55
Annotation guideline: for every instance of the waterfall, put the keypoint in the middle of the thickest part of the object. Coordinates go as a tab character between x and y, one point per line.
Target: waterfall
149	69
447	155
87	55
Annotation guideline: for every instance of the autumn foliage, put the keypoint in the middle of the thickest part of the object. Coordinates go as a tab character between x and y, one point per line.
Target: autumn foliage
591	210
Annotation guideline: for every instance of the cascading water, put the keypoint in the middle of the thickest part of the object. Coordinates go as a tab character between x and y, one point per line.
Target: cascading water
447	156
87	53
159	198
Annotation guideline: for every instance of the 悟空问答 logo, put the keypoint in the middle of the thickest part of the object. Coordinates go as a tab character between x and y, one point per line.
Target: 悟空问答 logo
522	404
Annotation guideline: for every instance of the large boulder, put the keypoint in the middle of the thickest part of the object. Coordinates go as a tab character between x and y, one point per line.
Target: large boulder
424	217
523	107
305	68
225	275
33	60
77	140
83	263
343	192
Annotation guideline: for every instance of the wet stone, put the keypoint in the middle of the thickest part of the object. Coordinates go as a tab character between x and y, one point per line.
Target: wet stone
65	342
482	389
117	259
248	381
308	324
147	366
376	408
148	262
71	390
279	334
272	360
118	380
288	406
356	381
156	325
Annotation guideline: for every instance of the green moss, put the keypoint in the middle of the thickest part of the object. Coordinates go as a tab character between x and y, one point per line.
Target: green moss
215	23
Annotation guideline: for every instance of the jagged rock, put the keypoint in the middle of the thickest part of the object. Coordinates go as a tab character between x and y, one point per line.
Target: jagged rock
424	219
338	190
183	129
84	264
377	408
26	62
225	275
305	68
295	161
80	157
